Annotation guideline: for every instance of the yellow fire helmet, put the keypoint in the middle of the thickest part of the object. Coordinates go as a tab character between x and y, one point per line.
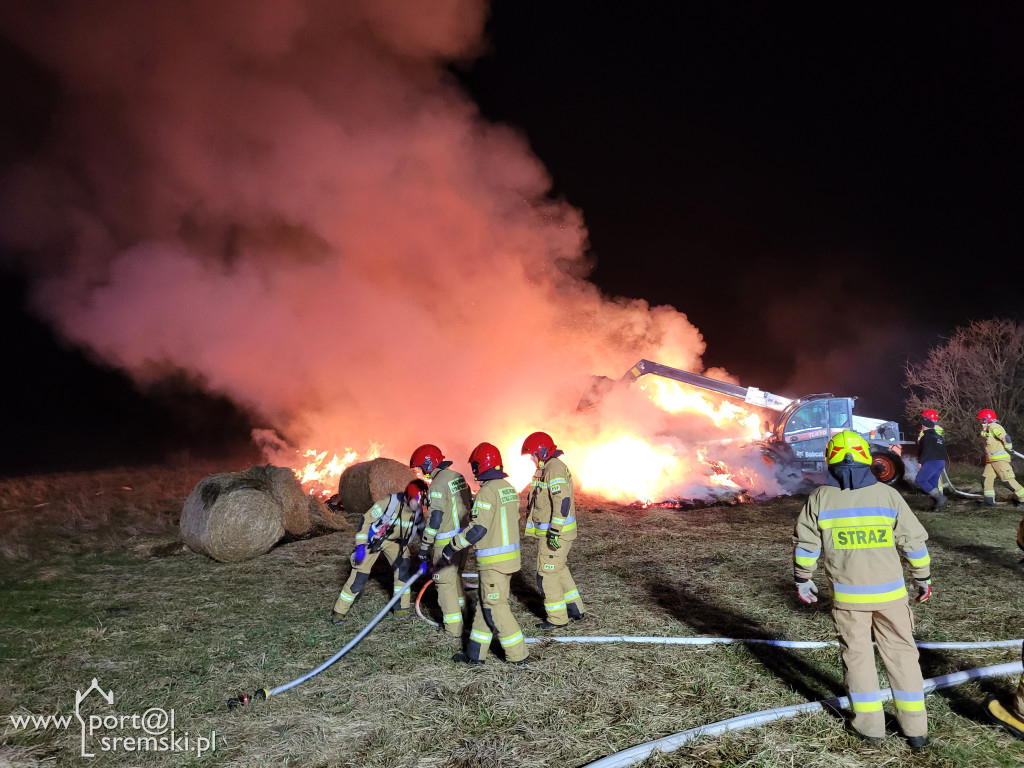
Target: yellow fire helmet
847	443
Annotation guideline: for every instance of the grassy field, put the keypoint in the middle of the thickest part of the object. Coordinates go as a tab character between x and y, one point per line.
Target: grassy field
94	585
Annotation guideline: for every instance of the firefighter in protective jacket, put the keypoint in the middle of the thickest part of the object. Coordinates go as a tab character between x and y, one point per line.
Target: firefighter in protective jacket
445	514
493	530
387	527
931	457
998	447
551	517
860	528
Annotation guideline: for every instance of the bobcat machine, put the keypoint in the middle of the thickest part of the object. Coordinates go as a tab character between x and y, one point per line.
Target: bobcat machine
796	431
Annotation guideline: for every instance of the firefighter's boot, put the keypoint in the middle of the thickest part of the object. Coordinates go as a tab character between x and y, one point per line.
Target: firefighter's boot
939	497
990	501
337	618
1003	717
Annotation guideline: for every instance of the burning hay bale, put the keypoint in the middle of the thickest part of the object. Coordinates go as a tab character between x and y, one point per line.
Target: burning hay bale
362	484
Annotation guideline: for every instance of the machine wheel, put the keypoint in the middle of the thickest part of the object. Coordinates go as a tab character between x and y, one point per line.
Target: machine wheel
887	466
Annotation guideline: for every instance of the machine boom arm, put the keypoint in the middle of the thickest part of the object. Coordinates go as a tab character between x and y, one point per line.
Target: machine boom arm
751	395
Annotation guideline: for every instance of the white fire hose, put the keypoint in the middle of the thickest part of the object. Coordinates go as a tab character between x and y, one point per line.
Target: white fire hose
640	752
675	741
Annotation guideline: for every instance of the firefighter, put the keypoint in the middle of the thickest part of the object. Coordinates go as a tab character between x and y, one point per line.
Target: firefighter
551	517
493	530
860	528
1012	719
998	446
386	527
931	457
445	514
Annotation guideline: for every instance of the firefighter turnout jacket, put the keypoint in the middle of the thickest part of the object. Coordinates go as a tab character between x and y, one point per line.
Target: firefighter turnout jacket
493	528
860	535
552	506
998	444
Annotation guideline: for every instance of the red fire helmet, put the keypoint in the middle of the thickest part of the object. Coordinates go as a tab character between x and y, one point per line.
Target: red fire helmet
930	414
415	491
539	443
485	456
986	415
426	457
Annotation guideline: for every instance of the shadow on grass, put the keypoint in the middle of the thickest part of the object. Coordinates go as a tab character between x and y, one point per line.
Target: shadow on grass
1000	557
932	664
709	618
524	588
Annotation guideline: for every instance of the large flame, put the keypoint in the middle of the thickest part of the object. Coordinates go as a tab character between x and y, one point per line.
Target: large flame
620	462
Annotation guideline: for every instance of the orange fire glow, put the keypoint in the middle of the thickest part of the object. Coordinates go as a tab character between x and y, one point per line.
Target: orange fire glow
319	475
621	463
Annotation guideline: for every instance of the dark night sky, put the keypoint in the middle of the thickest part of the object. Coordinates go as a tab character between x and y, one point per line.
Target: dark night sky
814	189
825	193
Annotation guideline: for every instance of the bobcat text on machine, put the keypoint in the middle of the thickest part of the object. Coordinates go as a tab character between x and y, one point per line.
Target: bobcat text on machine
796	430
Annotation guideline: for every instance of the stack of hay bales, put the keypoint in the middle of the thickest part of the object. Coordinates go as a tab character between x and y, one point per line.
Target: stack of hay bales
234	516
362	484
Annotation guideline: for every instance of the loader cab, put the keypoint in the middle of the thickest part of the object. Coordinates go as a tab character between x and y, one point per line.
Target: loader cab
807	425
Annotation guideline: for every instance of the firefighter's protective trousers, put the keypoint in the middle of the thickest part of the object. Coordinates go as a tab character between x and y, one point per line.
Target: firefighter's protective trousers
396	556
561	598
451	595
494	619
1004	471
894	633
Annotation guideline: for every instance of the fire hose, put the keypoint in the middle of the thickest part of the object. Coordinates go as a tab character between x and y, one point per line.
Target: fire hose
265	693
423	589
675	741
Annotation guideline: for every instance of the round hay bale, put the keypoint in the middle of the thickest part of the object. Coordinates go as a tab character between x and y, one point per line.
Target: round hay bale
231	517
288	491
362	484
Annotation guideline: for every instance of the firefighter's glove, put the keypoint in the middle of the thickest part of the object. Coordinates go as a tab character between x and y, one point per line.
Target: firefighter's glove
924	589
448	554
424	552
807	591
359	555
553	540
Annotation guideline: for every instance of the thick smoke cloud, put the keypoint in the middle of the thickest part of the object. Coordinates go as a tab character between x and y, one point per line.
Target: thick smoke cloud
295	202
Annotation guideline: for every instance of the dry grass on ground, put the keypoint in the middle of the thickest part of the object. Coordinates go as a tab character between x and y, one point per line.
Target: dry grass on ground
94	585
